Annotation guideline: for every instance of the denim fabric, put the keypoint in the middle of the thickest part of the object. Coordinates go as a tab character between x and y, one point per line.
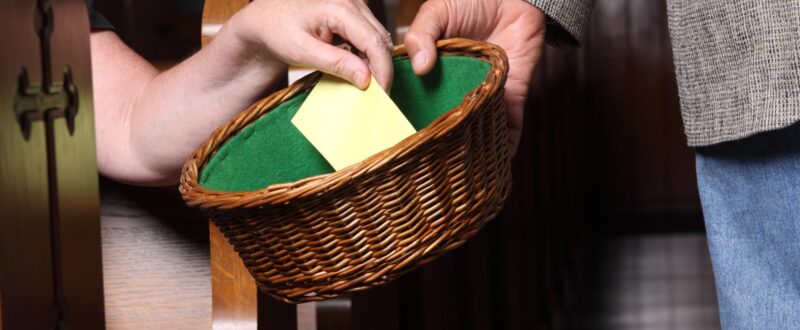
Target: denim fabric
750	191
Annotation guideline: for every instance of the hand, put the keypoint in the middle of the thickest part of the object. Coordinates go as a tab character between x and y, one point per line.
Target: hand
514	25
138	108
300	32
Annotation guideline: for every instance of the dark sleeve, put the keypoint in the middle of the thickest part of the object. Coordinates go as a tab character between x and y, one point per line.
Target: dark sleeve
96	20
566	20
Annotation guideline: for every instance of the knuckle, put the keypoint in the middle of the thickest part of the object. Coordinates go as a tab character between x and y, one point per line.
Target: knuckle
344	3
340	66
337	9
378	41
335	18
379	48
413	37
428	5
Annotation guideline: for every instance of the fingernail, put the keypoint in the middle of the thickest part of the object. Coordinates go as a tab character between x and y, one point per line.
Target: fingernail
419	59
388	38
361	79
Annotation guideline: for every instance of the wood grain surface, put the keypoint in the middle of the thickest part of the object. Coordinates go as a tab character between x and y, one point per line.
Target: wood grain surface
155	260
24	200
235	296
75	197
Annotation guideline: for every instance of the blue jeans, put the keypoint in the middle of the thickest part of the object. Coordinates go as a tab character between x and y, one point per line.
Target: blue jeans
750	191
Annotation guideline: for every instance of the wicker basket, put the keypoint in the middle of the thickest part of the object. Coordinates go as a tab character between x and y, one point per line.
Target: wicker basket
369	223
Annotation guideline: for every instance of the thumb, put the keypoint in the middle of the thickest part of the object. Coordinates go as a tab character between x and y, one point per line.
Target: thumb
515	97
428	25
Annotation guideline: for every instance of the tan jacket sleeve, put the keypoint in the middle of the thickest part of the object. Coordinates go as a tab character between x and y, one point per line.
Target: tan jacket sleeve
566	20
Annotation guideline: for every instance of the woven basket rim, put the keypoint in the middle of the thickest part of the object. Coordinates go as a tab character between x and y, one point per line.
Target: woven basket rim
277	194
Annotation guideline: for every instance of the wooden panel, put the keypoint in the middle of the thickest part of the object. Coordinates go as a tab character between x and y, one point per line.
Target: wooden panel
611	92
681	184
51	258
336	313
233	288
275	315
237	303
647	110
377	308
77	187
157	30
644	173
26	272
406	10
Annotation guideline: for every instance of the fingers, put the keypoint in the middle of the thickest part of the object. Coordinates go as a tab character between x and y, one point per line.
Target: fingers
357	29
303	33
384	80
380	61
427	27
336	61
515	115
516	94
367	13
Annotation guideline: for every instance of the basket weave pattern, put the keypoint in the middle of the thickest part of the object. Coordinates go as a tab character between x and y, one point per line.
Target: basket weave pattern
374	221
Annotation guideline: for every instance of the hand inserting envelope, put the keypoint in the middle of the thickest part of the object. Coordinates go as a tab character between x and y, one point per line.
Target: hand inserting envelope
347	124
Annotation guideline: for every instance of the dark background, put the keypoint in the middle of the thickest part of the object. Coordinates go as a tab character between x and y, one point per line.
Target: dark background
602	156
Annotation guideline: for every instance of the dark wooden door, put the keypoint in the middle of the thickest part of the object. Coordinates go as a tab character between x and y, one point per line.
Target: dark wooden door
50	270
25	261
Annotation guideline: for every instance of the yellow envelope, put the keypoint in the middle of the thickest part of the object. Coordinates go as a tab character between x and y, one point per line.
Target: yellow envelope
347	124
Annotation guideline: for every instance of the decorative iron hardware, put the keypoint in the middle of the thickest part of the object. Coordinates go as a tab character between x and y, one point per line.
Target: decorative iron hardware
50	99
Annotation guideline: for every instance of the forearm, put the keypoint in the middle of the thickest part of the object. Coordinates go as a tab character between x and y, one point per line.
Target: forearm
148	122
147	129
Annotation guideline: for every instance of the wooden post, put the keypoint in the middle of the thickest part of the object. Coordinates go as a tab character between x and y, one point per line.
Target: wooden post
50	259
236	301
234	293
406	10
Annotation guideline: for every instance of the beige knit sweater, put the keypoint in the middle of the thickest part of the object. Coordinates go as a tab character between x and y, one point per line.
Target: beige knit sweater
737	62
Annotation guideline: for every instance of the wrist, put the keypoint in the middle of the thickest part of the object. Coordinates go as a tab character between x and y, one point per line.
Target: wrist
240	43
232	65
536	19
237	48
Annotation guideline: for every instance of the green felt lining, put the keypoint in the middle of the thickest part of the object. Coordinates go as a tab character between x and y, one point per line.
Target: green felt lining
271	150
